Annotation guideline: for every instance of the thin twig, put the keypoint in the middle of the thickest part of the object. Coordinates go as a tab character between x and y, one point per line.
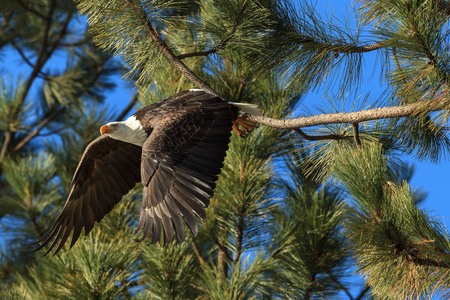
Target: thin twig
27	61
200	288
223	249
366	48
318	137
60	35
6	142
200	53
363	292
356	134
74	44
36	131
197	252
127	109
340	285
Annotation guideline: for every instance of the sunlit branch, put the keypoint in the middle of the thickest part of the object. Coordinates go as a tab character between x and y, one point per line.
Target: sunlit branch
353	117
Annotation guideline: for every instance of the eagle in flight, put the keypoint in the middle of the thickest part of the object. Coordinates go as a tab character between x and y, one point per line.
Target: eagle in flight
175	147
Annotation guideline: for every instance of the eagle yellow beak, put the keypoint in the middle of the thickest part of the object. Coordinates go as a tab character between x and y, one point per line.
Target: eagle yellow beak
104	129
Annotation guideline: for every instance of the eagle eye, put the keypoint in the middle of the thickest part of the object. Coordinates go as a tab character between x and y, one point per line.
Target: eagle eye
115	125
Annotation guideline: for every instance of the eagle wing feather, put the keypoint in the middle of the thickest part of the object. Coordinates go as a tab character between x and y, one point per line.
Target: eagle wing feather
108	170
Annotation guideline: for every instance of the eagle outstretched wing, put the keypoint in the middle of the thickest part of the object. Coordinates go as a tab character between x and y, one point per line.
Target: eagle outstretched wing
108	170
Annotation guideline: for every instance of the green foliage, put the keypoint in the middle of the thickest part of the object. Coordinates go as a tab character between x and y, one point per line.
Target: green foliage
396	244
170	272
12	108
312	250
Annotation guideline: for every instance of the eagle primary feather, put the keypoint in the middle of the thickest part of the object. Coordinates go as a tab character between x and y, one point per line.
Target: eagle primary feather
175	148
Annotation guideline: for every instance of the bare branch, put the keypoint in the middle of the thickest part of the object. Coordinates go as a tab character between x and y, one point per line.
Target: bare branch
353	117
318	137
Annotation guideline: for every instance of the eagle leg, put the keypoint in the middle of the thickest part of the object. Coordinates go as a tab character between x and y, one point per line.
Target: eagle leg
245	124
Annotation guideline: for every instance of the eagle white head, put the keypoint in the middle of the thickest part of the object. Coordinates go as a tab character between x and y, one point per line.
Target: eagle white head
129	131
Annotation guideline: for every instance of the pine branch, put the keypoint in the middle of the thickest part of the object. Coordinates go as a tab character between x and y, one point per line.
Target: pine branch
341	286
223	249
197	252
222	43
240	234
154	35
416	33
308	290
428	262
344	48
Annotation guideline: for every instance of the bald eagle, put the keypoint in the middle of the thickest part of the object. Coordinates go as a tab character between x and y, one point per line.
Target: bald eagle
175	148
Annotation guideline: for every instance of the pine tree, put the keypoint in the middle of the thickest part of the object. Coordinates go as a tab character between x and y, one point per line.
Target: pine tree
293	209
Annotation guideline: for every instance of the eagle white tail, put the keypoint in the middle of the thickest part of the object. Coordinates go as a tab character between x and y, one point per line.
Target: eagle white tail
247	108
